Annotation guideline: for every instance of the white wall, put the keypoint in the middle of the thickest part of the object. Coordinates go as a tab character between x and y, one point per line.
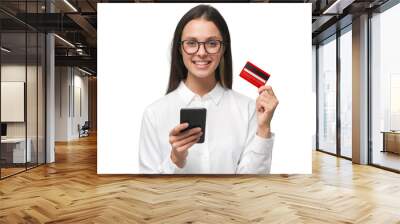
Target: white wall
80	118
69	82
16	73
62	80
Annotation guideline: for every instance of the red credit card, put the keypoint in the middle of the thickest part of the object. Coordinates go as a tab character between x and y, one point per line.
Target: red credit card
254	75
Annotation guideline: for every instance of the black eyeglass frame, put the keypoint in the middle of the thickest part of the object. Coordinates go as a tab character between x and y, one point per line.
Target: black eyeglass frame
221	44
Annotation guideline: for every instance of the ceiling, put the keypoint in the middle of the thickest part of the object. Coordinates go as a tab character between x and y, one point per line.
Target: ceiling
76	22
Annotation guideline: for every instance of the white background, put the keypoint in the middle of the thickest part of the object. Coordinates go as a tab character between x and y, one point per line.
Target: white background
134	43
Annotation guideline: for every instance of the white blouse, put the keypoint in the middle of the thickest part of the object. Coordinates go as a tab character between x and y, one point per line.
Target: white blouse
231	144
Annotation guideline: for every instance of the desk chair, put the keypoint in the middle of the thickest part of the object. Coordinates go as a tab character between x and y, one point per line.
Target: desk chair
84	130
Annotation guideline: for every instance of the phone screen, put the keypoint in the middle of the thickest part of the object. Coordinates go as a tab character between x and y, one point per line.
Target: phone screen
196	117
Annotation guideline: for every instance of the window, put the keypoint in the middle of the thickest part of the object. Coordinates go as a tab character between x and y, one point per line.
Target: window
385	88
346	93
327	96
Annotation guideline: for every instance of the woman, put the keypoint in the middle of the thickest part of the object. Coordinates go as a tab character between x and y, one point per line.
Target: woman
239	138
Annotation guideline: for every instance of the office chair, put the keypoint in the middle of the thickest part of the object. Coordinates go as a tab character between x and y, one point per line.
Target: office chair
84	130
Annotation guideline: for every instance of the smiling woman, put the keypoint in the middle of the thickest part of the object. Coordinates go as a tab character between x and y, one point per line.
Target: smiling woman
202	25
239	137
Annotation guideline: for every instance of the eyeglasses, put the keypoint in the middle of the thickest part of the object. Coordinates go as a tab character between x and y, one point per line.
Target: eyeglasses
193	46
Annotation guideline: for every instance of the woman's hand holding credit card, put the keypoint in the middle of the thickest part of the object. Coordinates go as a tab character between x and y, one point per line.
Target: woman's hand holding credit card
266	102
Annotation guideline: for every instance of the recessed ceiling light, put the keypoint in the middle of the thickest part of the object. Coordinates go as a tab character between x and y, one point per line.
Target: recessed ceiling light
70	5
64	40
338	6
84	71
5	50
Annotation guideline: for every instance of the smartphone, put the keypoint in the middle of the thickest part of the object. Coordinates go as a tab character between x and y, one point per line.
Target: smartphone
196	117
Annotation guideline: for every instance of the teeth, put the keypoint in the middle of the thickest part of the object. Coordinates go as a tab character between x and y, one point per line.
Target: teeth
201	62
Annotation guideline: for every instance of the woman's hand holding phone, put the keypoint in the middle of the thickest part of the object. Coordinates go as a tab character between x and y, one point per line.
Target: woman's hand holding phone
182	141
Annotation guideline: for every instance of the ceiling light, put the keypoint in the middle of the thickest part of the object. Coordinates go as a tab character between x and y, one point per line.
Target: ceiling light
5	50
84	71
70	5
338	6
64	40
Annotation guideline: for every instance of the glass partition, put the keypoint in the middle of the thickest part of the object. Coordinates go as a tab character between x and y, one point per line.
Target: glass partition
14	154
32	95
22	77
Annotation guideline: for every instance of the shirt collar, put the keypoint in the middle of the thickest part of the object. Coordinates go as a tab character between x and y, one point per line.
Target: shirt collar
187	95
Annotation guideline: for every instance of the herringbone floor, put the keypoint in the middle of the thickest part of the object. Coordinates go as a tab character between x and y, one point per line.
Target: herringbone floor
70	191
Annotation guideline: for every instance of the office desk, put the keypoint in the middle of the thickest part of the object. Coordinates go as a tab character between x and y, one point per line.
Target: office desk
13	150
391	141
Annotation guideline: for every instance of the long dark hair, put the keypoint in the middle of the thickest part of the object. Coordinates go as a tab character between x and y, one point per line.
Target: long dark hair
178	70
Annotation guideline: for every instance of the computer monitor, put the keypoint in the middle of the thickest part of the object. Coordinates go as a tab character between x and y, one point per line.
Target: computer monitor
3	130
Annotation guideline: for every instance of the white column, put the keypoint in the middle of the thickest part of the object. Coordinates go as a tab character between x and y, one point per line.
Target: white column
63	101
50	93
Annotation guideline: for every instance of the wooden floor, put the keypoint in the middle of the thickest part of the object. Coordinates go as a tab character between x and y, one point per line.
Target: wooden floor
5	172
387	159
70	191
